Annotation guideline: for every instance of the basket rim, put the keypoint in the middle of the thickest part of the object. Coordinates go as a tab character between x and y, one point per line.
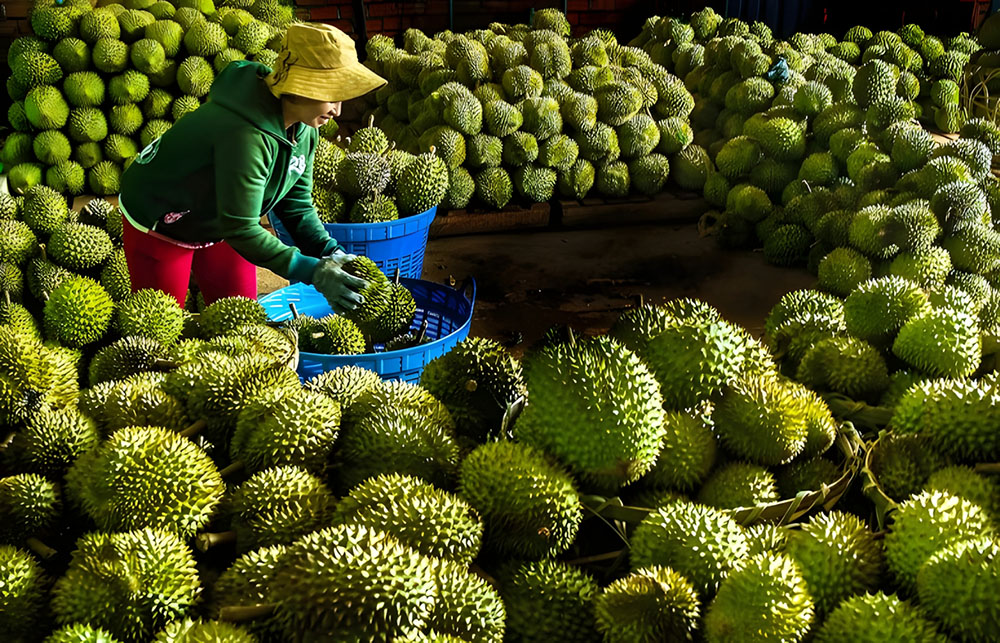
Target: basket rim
413	350
423	218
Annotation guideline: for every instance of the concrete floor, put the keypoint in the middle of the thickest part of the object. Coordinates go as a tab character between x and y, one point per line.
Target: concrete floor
528	281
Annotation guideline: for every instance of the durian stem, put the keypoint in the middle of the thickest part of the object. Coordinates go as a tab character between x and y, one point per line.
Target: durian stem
599	558
164	365
992	468
295	311
243	613
232	469
6	297
194	429
7	439
206	541
40	548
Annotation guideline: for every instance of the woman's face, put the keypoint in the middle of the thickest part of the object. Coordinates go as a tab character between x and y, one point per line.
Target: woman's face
315	112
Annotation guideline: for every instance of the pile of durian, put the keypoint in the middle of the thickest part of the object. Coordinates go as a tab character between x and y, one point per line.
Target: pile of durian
525	113
91	86
165	476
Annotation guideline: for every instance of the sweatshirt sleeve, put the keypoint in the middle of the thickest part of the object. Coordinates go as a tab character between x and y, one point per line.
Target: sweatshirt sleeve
241	173
298	214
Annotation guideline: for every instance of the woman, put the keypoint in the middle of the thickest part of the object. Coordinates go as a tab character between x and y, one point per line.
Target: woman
193	198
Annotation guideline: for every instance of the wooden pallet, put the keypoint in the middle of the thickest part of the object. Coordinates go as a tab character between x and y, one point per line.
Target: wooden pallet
665	207
459	222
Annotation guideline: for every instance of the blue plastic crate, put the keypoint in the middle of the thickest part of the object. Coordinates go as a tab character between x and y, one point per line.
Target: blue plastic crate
448	313
391	244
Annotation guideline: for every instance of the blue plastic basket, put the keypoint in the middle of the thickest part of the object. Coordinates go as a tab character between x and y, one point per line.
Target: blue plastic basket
391	244
448	313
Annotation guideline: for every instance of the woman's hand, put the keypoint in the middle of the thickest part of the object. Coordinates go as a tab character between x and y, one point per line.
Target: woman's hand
340	288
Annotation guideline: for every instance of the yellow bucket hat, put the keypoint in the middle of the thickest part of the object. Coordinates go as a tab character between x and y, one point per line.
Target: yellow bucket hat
319	61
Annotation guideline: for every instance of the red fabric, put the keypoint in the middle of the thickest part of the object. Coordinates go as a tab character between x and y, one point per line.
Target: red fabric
218	269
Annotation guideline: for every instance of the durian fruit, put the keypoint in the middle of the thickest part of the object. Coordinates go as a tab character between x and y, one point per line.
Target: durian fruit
215	388
762	419
838	556
844	365
131	584
125	357
146	477
24	593
956	416
247	582
468	607
965	483
332	335
702	543
277	506
135	401
649	605
957	585
765	598
548	600
384	589
81	633
738	484
529	505
422	185
376	294
877	309
693	360
52	440
397	317
925	524
477	380
344	385
30	505
687	453
286	427
397	427
226	315
565	383
429	520
902	463
190	630
150	313
941	343
875	618
32	376
78	312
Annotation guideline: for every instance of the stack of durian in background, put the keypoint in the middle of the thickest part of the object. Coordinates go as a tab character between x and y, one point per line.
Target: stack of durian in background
365	179
524	113
93	86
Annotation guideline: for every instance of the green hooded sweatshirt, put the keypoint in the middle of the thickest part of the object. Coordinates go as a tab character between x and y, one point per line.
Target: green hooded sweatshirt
218	169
